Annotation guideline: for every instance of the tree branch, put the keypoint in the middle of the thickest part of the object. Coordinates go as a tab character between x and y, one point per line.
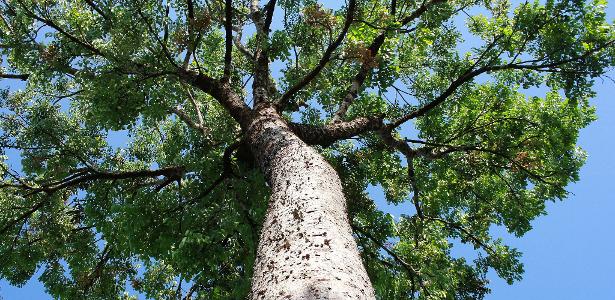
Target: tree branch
245	51
409	268
95	7
154	34
367	66
262	86
471	73
186	119
285	99
191	43
222	92
23	77
227	172
464	231
98	269
415	187
23	217
410	154
269	9
197	107
84	176
326	135
428	152
88	175
228	27
55	26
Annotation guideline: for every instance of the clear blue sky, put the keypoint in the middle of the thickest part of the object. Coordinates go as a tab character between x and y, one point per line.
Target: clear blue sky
570	253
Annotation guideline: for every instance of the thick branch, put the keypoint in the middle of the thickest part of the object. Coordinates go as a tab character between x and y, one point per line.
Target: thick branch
396	144
191	44
256	16
328	134
190	6
222	92
85	176
269	9
359	79
228	27
23	77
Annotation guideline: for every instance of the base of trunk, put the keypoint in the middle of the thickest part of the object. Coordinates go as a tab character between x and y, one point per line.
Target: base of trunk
306	248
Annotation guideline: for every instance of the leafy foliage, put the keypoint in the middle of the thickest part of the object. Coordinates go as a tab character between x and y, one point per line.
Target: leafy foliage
174	211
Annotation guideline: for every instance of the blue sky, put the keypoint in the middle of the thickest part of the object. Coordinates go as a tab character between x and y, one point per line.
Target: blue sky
570	253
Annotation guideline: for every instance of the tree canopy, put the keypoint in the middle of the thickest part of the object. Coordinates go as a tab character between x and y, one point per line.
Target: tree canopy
432	100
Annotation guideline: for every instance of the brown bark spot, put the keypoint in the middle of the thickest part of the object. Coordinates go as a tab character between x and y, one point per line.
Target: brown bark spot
296	214
286	245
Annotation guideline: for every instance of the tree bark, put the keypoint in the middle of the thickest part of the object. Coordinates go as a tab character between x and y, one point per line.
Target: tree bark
306	248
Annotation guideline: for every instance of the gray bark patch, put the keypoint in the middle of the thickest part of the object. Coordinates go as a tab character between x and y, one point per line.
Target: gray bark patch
306	248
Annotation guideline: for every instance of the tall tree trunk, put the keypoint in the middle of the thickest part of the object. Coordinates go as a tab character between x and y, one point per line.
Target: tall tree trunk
306	248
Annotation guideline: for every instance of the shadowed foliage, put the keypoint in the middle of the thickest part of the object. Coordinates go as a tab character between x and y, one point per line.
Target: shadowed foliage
433	101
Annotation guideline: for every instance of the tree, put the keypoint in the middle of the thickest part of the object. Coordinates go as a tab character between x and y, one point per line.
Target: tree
253	131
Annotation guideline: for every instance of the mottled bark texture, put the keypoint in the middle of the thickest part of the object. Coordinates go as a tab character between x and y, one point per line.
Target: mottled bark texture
306	248
328	134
